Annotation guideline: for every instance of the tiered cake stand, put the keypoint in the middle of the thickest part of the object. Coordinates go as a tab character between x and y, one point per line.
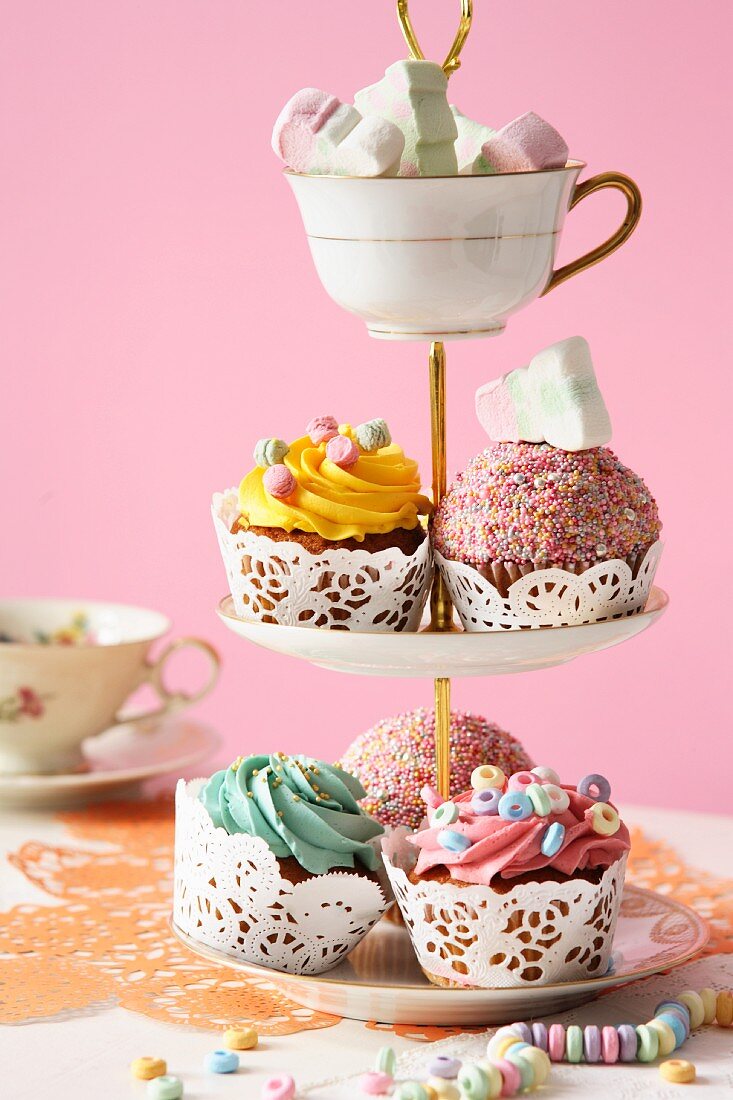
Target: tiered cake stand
504	271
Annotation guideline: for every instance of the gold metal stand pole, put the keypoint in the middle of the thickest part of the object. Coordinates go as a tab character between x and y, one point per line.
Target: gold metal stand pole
441	611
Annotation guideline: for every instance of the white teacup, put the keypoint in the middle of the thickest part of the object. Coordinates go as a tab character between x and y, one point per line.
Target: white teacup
447	257
67	666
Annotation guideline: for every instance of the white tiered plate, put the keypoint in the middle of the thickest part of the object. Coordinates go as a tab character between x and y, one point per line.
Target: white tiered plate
382	981
428	654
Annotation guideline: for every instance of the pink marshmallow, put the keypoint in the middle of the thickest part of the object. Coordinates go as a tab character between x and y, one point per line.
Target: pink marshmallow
297	125
342	451
496	412
279	481
322	428
528	144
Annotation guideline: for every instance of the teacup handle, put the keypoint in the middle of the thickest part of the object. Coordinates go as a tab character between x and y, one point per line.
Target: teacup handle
170	700
627	187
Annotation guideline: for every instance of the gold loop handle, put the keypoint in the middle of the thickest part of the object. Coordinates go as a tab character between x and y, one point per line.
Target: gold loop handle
627	187
451	62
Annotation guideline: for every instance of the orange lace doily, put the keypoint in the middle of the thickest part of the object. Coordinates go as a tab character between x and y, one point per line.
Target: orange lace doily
106	939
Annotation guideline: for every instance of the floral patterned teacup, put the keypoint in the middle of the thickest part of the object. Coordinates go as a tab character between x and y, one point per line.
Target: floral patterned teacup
66	668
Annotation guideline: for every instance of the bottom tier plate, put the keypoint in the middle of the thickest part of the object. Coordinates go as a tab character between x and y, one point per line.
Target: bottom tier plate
382	981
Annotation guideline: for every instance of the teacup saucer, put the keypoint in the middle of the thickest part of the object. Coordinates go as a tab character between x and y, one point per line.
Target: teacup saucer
116	763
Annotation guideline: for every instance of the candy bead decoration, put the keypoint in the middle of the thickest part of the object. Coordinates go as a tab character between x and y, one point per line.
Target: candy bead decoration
453	841
503	1046
376	1083
270	452
221	1061
444	1066
342	451
519	781
510	1075
675	1023
373	434
648	1043
279	482
539	1036
494	1079
494	1045
386	1061
724	1008
679	1009
515	806
603	819
321	429
665	1034
165	1088
523	1030
145	1069
487	775
443	1089
694	1004
592	1044
539	798
609	1045
445	814
281	1087
241	1038
486	802
552	839
574	1043
540	1063
474	1083
546	775
709	998
556	1042
678	1072
526	1072
411	1090
559	799
628	1042
596	787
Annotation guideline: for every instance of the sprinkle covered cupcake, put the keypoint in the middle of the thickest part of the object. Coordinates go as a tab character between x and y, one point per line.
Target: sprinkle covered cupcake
267	851
548	497
327	531
517	881
395	760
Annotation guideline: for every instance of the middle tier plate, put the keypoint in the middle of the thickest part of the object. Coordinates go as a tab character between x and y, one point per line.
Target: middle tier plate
427	654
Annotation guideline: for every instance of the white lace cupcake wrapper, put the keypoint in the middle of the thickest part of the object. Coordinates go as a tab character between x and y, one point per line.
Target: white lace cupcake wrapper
549	597
535	934
229	894
282	582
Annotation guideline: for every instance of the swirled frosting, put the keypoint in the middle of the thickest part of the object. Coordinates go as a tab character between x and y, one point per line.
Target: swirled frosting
506	849
300	806
379	493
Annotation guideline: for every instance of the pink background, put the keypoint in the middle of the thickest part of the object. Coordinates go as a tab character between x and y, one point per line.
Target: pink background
164	314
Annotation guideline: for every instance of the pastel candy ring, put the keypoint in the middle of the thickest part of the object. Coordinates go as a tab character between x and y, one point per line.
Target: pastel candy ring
539	798
556	1042
628	1042
494	1078
553	839
444	1066
221	1061
453	841
540	1063
709	998
443	1089
592	1043
510	1075
473	1083
376	1083
145	1069
240	1038
526	1071
386	1061
445	814
524	1030
487	775
410	1090
505	1032
165	1088
724	1008
486	802
611	1044
546	775
519	781
676	1008
665	1034
502	1046
695	1005
280	1087
515	806
595	786
603	819
672	1020
559	799
539	1035
574	1043
648	1045
678	1071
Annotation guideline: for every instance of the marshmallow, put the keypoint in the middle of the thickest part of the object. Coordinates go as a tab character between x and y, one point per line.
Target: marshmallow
527	144
471	138
555	399
317	134
412	95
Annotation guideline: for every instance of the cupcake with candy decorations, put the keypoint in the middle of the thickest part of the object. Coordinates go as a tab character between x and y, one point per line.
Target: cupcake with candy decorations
277	863
548	527
328	532
516	881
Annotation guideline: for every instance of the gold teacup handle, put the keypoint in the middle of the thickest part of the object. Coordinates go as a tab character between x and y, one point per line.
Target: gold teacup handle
633	213
451	62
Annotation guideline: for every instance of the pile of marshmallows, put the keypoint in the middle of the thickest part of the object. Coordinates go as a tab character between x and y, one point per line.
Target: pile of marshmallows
280	482
404	126
525	793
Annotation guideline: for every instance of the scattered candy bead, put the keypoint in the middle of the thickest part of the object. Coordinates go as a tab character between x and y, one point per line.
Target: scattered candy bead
677	1071
574	1043
526	1072
610	1045
487	775
648	1043
445	814
279	482
553	839
724	1008
240	1038
665	1034
165	1088
473	1082
539	1035
709	998
145	1069
270	452
410	1090
373	434
559	799
342	451
592	1043
281	1087
321	429
539	798
556	1042
673	1021
546	775
494	1079
511	1077
444	1066
221	1061
693	1002
443	1089
515	806
453	841
486	802
596	787
628	1042
376	1083
519	781
603	819
386	1061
